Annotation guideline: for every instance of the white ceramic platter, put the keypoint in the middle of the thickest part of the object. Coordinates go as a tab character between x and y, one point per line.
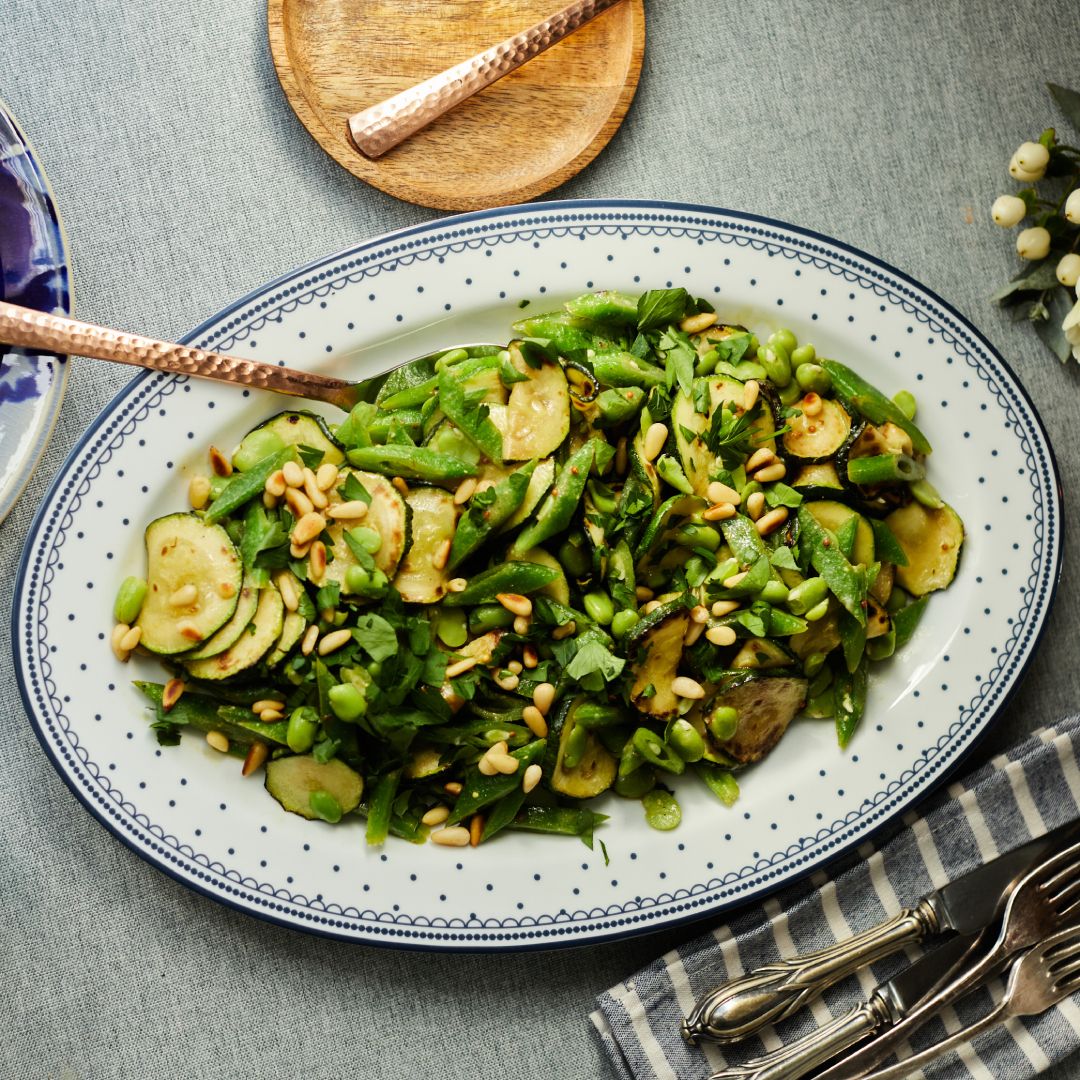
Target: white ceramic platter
189	812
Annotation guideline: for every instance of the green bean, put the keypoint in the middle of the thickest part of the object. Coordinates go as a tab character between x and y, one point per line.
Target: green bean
774	592
723	722
513	577
905	402
813	377
804	354
777	364
907	619
625	369
656	752
129	600
487	512
411	462
661	810
672	472
636	783
573	559
925	493
807	595
325	806
554	513
598	607
605	306
785	339
720	782
575	746
623	622
451	626
884	469
617	405
686	741
871	403
304	724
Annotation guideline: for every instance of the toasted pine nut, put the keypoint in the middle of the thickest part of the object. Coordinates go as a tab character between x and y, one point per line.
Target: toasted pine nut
721	493
327	476
811	404
270	716
307	528
289	595
119	632
620	457
529	656
521	624
267	703
442	555
226	590
298	502
504	763
531	778
760	457
771	521
654	441
465	491
460	667
334	640
720	635
509	681
298	551
755	505
515	666
699	614
724	607
436	815
269	501
650	607
257	754
311	635
293	474
198	492
185	596
518	604
221	465
750	394
317	561
400	484
327	615
486	766
693	632
311	489
543	697
534	721
452	787
643	593
131	639
174	690
564	631
190	631
275	484
348	511
694	324
731	582
685	687
776	471
476	829
219	741
457	584
719	512
451	836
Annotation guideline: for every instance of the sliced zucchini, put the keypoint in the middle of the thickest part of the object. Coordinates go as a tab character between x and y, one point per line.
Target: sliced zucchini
388	514
834	515
688	426
656	645
766	705
821	636
757	654
642	468
817	437
593	774
931	539
256	640
818	480
292	630
882	588
246	604
291	780
536	418
182	549
293	428
886	439
542	479
422	575
559	589
878	622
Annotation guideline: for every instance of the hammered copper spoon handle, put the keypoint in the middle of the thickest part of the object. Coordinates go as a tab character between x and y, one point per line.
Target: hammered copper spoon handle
383	126
54	333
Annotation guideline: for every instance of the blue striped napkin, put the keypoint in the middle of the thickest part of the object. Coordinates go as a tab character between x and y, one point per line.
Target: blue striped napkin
1023	793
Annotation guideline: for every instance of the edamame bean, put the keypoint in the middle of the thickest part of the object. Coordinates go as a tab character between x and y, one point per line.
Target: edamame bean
789	394
357	579
598	607
807	595
366	538
303	726
819	611
325	806
574	747
129	600
777	364
905	402
813	664
452	627
685	740
785	338
623	623
723	722
661	810
489	617
775	592
636	783
804	354
813	377
346	702
573	558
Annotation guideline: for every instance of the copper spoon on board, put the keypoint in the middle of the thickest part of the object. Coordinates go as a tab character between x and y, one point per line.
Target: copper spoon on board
54	333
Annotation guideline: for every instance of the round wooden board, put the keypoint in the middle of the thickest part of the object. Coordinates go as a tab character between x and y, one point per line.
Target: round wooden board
517	139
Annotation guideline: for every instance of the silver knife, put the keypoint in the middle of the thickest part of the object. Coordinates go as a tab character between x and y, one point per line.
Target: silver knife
742	1007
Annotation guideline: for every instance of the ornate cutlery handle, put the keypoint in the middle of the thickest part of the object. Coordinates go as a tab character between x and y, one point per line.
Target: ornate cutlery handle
745	1005
381	127
53	333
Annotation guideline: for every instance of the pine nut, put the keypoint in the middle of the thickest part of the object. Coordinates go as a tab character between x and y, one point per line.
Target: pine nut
400	484
476	829
299	551
256	757
174	690
643	593
131	639
293	473
275	484
694	324
198	492
465	491
719	512
185	596
720	635
529	656
457	584
509	681
776	471
311	635
307	528
298	502
564	631
436	815
269	501
521	625
693	632
750	394
531	778
755	505
267	703
721	493
451	836
327	476
271	716
759	458
190	631
219	741
650	607
699	614
119	631
452	787
771	521
504	763
442	555
620	457
311	488
543	697
348	511
811	404
460	667
534	721
327	615
515	666
654	441
519	605
334	640
226	590
486	766
731	582
724	607
684	687
317	561
289	594
221	465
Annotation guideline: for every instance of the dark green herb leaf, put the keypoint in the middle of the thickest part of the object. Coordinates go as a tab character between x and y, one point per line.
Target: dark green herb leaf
352	490
661	307
311	457
376	636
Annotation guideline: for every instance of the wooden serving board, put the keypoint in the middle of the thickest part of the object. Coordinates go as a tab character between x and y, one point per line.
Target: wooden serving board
524	135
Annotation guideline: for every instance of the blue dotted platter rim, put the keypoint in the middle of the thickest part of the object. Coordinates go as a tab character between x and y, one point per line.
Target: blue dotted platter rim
641	914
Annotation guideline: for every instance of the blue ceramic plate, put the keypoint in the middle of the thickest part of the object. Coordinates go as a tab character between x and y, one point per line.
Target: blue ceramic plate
34	273
188	810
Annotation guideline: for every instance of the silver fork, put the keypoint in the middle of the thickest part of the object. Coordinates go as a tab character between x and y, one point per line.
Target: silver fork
1040	903
1041	978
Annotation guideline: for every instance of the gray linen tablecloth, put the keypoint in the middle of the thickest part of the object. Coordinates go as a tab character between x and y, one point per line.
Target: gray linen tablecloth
185	180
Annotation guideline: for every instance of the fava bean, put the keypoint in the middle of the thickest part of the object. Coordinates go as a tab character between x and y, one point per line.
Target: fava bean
774	592
813	377
325	806
489	617
720	782
818	611
573	558
804	354
807	595
346	702
785	339
452	627
598	607
661	810
723	722
905	402
685	740
774	359
303	726
623	623
636	783
813	664
925	493
129	600
367	538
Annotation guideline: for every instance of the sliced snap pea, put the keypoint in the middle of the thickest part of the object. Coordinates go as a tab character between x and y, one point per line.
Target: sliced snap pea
881	648
508	577
849	702
325	806
625	369
617	405
487	512
846	583
558	329
380	807
781	624
630	760
884	469
685	740
813	664
479	791
925	493
594	714
554	513
886	546
411	462
656	752
720	782
662	810
604	306
845	536
744	540
242	486
672	472
907	619
562	820
697	536
898	598
755	579
502	813
475	424
852	640
129	600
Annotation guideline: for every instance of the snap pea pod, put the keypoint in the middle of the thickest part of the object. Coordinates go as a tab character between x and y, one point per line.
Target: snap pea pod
595	714
852	640
753	582
618	404
881	648
925	493
383	426
720	782
845	536
240	725
743	539
871	403
617	368
404	379
671	471
478	790
507	577
884	469
781	624
846	583
381	806
503	813
486	513
555	512
605	306
559	819
474	423
412	462
886	546
621	579
242	486
416	394
849	701
906	619
675	506
559	330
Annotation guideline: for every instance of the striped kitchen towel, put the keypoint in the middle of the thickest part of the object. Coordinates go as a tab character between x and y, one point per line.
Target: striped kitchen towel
1023	793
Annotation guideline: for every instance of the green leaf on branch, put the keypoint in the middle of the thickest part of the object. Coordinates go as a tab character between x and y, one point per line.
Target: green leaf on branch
1030	279
1058	303
1068	101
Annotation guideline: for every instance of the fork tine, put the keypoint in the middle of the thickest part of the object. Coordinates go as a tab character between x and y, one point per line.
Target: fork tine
1062	895
1060	869
1059	969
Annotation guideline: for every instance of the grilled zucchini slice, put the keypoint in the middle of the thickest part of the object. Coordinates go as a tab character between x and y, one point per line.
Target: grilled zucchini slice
292	428
596	770
656	645
931	540
818	480
818	437
292	630
536	418
766	706
246	604
834	515
434	518
559	588
759	653
539	483
254	642
291	780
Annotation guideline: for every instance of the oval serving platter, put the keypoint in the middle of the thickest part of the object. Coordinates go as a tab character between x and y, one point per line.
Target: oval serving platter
190	813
